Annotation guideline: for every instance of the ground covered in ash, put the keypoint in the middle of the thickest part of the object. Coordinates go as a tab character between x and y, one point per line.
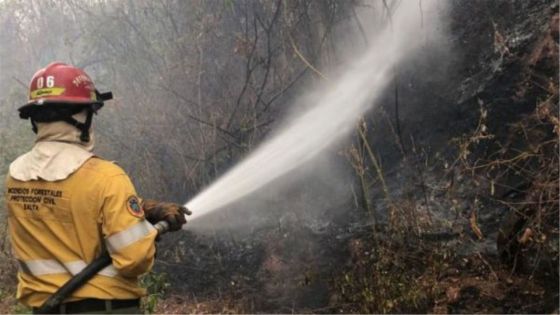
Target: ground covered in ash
441	237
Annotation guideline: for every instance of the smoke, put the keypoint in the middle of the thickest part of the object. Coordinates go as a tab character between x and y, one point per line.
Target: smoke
331	112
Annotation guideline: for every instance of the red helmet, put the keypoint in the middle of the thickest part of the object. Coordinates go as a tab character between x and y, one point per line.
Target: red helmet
62	84
59	91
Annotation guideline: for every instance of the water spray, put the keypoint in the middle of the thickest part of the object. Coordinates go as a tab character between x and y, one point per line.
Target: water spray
331	118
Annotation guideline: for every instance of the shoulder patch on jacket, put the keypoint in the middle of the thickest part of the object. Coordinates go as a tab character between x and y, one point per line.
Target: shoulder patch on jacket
134	207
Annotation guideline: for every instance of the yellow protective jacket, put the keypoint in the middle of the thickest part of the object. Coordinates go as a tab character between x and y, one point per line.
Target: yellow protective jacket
59	227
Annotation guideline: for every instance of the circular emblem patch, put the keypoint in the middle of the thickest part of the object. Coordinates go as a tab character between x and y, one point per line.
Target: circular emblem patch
133	206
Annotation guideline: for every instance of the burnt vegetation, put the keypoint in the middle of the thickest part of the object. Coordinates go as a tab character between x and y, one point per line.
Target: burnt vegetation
450	186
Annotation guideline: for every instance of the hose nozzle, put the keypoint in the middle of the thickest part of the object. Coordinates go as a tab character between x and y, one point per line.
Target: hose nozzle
162	227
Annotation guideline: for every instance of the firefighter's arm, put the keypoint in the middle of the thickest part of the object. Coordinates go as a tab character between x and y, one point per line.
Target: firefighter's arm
129	237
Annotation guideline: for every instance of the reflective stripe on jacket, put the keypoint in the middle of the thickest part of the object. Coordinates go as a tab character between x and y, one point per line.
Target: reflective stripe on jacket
57	228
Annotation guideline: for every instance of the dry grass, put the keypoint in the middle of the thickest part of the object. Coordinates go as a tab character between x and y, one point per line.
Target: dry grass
393	269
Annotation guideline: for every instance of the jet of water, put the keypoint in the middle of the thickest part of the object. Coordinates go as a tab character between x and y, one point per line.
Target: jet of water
331	118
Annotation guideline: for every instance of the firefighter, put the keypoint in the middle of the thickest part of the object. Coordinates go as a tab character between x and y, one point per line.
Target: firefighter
67	205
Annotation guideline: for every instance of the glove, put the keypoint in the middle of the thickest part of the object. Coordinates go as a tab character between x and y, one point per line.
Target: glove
172	213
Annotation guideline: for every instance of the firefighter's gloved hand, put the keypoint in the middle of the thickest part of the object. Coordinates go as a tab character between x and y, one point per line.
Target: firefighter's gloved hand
172	213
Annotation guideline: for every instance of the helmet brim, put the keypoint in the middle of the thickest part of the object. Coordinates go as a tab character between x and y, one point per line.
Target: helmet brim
27	110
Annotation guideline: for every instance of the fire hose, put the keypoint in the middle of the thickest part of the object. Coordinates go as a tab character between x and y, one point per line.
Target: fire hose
84	276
